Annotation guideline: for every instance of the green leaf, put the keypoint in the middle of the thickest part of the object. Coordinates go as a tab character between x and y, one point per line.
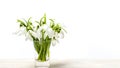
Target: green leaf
52	23
29	19
43	20
21	23
29	22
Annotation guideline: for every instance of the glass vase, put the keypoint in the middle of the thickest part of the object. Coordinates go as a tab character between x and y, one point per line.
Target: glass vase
43	53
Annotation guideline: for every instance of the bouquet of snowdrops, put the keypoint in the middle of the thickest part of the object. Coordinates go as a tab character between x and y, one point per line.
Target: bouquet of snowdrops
43	33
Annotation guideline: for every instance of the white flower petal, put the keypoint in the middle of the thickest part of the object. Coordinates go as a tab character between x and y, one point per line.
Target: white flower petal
44	27
22	31
38	33
45	35
49	32
54	42
28	37
57	40
17	32
61	35
56	35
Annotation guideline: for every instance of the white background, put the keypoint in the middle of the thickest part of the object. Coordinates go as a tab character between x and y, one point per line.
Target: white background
93	28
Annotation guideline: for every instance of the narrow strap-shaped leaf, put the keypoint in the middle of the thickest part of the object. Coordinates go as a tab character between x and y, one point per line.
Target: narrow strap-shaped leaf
45	18
29	19
21	22
41	21
52	24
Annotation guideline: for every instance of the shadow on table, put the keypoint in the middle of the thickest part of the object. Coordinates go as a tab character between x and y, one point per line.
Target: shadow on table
63	64
86	64
58	65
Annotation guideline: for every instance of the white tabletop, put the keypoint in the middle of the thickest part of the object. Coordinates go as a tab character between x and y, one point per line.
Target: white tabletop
62	63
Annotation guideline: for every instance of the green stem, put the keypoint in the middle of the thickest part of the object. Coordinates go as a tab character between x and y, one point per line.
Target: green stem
43	52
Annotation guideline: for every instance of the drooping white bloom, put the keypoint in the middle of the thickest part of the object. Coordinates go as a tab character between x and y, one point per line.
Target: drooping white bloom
49	32
55	39
45	26
28	37
61	34
36	33
23	31
54	42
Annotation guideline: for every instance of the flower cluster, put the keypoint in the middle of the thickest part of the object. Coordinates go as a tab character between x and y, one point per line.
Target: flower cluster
43	29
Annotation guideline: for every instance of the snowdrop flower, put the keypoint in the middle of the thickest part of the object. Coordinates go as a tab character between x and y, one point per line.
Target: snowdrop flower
56	35
54	42
55	39
49	32
28	37
44	26
61	34
21	31
36	33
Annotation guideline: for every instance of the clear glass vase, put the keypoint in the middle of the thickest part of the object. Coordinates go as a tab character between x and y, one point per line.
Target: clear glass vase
42	54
